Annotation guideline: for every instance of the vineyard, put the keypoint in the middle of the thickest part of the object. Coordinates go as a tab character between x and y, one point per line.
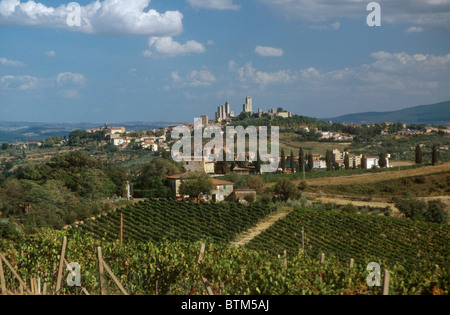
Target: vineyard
171	267
162	242
154	220
364	238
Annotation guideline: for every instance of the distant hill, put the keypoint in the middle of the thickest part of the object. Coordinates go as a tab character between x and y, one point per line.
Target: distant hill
35	131
434	114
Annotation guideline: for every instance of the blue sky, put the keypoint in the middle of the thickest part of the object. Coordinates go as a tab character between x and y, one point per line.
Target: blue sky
174	60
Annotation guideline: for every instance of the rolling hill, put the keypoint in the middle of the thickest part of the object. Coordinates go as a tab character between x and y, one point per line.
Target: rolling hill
434	114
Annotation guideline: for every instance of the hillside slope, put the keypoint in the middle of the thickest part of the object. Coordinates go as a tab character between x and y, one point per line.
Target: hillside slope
438	114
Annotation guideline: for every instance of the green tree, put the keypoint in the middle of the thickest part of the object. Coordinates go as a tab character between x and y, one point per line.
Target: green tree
301	160
328	160
436	212
283	161
287	189
302	185
364	162
5	146
249	198
419	156
434	155
382	162
411	208
195	184
256	183
258	163
221	167
346	161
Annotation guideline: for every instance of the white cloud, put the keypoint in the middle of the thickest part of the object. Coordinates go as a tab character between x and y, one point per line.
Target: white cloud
214	4
18	82
414	29
269	51
65	80
334	26
107	17
248	74
421	13
388	73
196	78
50	53
69	78
167	47
11	63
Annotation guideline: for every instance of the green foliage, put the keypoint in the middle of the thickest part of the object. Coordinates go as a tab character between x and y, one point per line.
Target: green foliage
436	212
364	238
249	198
283	162
382	162
170	267
256	182
195	184
434	155
431	211
302	185
159	219
286	189
80	137
346	161
419	156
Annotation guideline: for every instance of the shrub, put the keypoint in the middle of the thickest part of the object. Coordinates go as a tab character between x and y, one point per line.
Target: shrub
265	199
249	198
349	208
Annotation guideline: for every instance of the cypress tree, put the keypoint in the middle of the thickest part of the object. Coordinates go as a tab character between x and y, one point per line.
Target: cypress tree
328	160
364	162
419	156
301	160
283	160
258	163
346	161
382	160
434	155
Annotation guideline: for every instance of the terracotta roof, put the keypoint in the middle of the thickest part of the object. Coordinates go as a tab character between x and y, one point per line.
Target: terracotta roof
220	182
178	176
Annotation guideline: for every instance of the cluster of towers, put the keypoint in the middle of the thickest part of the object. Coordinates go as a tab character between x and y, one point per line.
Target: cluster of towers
224	111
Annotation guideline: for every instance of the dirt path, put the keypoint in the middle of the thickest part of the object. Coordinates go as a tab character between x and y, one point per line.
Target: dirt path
376	177
264	224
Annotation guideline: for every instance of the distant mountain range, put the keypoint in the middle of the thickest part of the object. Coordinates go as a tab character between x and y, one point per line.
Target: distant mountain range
434	114
34	131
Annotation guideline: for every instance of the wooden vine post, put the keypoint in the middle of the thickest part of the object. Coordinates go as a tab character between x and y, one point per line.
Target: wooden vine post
23	285
205	282
102	267
121	228
101	271
61	266
2	278
386	281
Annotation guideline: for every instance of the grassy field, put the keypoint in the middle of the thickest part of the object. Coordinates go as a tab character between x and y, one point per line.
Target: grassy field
390	174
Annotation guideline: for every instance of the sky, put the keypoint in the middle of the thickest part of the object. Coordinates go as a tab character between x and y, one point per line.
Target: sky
174	60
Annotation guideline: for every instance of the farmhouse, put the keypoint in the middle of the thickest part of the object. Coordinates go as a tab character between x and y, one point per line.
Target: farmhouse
222	189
